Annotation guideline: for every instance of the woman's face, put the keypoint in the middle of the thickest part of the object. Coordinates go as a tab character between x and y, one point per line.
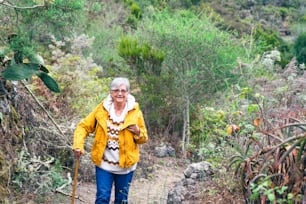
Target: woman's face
119	94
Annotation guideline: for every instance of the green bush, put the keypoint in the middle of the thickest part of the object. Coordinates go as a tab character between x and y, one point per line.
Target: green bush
268	40
303	19
136	11
143	58
300	48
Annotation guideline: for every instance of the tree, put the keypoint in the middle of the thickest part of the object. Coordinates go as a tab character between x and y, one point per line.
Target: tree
28	26
37	19
145	62
199	57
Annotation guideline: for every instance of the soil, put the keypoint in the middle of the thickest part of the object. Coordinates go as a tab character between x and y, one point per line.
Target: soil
153	189
152	186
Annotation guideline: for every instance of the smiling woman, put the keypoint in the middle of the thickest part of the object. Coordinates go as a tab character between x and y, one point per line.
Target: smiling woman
119	127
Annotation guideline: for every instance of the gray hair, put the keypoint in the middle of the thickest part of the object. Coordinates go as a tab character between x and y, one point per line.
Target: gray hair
120	81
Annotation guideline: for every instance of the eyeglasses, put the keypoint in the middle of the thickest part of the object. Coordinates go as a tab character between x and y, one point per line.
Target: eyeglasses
119	90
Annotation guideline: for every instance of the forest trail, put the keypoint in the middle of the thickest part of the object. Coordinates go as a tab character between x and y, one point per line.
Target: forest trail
142	191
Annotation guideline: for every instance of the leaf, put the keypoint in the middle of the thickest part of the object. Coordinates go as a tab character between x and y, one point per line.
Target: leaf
253	108
49	81
229	130
20	71
18	57
257	122
233	162
43	68
271	197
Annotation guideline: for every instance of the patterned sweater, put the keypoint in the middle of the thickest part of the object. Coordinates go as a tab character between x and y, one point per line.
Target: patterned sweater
110	161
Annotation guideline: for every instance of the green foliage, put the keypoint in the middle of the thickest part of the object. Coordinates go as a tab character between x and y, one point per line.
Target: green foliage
158	105
146	64
83	91
103	49
129	48
265	188
290	3
207	130
59	17
135	14
136	11
100	26
298	28
144	59
96	7
26	71
210	12
284	12
270	40
300	48
49	81
263	171
303	19
31	24
56	175
35	174
211	54
132	21
20	71
33	20
199	58
273	15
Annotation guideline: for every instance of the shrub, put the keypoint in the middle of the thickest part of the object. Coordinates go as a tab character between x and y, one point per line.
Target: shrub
300	48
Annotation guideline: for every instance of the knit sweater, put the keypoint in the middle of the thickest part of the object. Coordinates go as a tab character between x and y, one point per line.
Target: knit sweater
110	161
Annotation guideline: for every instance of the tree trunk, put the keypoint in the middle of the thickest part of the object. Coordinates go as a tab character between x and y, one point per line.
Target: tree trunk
184	132
186	126
187	122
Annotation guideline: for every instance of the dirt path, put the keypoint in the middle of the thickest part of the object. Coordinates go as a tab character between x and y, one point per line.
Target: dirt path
151	186
142	191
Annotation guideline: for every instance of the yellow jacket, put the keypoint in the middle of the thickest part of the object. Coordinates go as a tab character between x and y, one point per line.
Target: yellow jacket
128	141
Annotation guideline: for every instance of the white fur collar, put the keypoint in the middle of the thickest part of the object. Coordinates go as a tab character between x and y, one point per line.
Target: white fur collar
130	102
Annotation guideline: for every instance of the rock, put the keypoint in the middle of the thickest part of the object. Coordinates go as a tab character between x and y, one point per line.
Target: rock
176	194
186	188
164	151
198	171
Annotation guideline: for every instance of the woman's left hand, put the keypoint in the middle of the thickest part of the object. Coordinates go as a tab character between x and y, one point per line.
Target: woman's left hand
134	129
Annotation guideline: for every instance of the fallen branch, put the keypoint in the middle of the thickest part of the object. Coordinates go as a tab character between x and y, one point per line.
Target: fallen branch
68	194
60	189
66	184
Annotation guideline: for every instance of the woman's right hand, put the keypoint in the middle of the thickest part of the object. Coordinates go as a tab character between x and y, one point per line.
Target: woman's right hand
77	153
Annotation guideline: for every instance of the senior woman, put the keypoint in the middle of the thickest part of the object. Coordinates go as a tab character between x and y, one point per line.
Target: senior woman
119	128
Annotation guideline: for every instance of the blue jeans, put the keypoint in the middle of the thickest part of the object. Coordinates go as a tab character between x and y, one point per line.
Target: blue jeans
105	180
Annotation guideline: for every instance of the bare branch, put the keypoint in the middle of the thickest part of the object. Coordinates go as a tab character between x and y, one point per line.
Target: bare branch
6	3
48	114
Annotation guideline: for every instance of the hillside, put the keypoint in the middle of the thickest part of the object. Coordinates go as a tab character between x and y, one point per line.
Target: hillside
218	81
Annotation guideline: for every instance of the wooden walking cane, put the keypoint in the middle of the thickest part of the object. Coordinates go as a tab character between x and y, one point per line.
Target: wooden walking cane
75	179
